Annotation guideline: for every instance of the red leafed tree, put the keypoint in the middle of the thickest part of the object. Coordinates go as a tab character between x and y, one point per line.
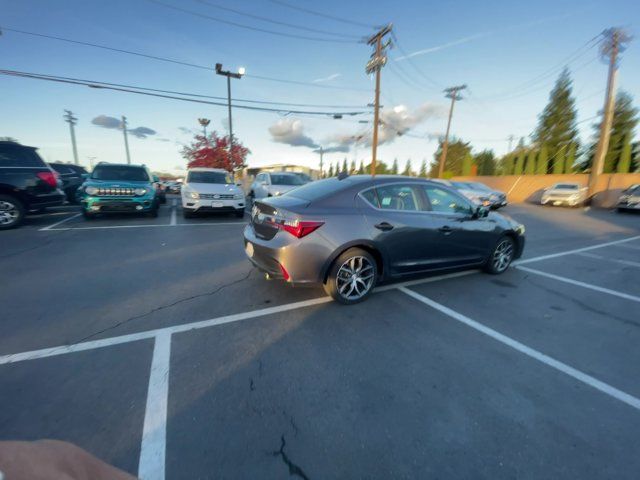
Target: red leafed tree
212	151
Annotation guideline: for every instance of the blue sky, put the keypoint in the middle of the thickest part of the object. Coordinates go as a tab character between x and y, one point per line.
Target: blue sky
493	46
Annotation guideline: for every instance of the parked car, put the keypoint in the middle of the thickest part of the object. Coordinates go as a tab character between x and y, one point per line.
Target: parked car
570	194
305	178
72	176
27	184
211	190
173	187
113	187
630	199
349	233
272	184
482	194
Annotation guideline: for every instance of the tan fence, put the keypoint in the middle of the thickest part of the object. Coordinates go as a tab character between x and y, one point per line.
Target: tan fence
529	188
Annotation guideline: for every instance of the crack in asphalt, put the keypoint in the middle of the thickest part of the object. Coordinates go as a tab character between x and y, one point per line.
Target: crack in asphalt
294	470
163	307
581	304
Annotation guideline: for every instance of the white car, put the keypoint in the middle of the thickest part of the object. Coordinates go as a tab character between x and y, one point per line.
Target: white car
273	184
211	190
571	194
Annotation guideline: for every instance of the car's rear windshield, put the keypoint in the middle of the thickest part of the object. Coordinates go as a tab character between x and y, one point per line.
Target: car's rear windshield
566	186
479	186
209	177
319	188
286	180
120	173
19	156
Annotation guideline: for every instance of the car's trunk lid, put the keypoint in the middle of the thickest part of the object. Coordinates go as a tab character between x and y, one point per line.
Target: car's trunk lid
265	210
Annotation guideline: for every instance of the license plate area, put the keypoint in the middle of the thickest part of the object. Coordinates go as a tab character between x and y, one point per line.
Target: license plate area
217	204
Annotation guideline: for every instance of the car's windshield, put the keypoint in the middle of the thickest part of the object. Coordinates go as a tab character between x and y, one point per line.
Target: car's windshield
566	186
286	180
208	177
120	173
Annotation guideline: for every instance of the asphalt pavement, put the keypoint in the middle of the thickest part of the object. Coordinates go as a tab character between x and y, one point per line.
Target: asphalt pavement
153	343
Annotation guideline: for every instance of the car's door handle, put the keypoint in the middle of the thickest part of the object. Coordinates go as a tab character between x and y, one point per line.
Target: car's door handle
446	229
384	226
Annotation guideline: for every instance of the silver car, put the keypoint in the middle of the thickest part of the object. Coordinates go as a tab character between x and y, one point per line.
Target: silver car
349	233
273	184
569	194
630	199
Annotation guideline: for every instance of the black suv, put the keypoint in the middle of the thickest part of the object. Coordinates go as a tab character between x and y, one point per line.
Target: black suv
26	184
72	177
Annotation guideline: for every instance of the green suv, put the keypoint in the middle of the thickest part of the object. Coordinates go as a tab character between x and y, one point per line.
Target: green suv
118	188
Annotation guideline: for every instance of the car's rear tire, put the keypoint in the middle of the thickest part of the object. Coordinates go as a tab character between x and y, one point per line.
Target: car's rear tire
501	256
11	212
88	215
240	213
352	276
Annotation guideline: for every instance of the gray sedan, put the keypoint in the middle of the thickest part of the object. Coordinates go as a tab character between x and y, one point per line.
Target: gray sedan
349	233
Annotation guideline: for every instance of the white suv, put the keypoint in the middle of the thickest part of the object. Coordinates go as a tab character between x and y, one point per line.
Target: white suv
273	184
211	190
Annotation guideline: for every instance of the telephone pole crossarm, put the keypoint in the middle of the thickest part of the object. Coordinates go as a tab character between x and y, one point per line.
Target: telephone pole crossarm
453	94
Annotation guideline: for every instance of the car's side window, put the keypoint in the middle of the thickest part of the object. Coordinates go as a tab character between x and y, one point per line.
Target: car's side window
398	197
267	179
371	197
442	200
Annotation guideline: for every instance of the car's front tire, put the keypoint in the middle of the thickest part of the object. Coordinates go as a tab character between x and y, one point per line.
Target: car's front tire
88	215
501	256
240	213
11	212
352	276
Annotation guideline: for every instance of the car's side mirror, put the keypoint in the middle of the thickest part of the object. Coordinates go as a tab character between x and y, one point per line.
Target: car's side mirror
481	212
239	184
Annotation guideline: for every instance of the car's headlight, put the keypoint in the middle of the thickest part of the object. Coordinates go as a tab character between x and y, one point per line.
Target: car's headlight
91	191
277	194
194	195
140	191
238	196
520	229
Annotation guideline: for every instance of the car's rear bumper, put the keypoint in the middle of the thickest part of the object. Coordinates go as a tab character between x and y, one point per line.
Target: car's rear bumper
53	199
287	257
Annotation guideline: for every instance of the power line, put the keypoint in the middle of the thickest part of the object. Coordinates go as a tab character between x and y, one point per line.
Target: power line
248	27
277	22
414	65
105	86
177	62
320	14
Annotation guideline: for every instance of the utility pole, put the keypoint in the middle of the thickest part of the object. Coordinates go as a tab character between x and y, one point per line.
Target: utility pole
229	76
452	93
321	155
71	120
204	122
91	159
511	138
375	64
612	45
123	124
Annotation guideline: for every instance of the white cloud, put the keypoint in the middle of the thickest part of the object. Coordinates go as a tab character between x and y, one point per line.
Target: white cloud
291	132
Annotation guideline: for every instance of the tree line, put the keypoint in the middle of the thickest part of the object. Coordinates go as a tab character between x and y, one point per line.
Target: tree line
554	147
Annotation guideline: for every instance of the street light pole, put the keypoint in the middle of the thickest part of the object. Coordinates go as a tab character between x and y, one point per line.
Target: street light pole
229	76
204	122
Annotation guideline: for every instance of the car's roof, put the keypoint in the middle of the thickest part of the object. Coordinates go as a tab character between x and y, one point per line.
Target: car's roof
107	164
282	173
567	183
5	143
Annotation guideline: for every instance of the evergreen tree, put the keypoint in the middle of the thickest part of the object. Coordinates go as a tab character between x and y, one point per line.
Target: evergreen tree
557	123
352	170
624	122
530	165
517	169
486	162
423	168
381	168
455	154
344	166
467	163
361	168
330	170
570	159
624	164
543	161
506	164
394	167
407	169
559	161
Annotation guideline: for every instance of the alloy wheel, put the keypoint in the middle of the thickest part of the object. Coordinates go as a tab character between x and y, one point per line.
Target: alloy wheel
8	213
502	255
355	278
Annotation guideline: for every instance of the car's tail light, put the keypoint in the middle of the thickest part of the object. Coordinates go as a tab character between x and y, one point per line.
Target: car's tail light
49	177
295	226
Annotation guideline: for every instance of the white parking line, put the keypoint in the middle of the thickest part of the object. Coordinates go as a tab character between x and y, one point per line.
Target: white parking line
577	250
530	352
173	221
154	432
614	260
632	247
50	227
578	283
